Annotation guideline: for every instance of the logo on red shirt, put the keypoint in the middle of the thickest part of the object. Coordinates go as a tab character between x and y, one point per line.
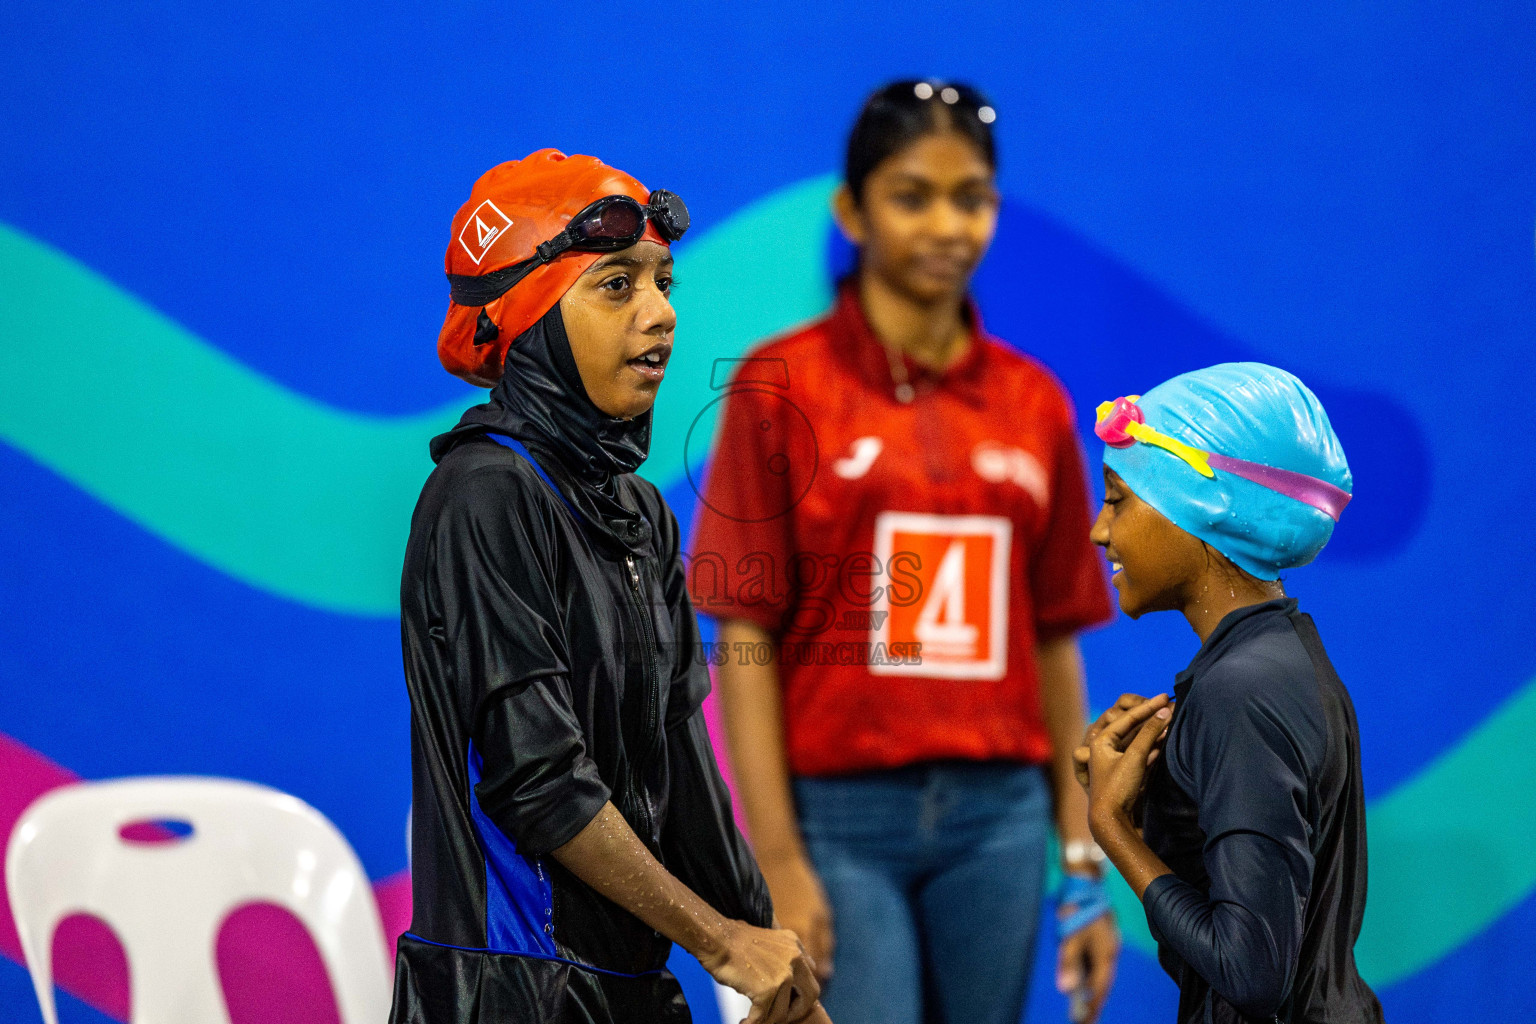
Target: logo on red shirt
862	455
996	463
952	596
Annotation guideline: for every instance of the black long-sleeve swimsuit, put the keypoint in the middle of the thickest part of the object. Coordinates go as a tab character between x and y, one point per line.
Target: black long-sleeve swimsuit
1258	808
553	664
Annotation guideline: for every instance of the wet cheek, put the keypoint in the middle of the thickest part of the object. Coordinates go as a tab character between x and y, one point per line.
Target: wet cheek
1126	542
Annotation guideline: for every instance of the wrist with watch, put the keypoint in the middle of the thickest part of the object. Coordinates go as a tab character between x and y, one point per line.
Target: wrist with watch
1082	899
1082	856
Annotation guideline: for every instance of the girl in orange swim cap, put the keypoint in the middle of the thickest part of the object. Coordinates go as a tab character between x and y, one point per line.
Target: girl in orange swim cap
569	821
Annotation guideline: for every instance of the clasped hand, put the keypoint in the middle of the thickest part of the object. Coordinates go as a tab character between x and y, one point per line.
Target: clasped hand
1112	761
771	968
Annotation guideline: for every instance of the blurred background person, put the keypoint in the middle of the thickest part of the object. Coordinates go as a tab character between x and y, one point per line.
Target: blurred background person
894	539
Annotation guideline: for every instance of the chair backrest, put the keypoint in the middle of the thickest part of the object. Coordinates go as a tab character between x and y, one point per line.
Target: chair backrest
167	900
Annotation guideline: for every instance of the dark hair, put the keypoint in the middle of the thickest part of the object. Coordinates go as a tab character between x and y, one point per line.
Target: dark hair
901	113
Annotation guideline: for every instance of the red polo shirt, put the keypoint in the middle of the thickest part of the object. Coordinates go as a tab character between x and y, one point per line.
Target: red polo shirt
906	556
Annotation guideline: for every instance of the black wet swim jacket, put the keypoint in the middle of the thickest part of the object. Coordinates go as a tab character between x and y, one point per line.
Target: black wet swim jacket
1258	808
553	664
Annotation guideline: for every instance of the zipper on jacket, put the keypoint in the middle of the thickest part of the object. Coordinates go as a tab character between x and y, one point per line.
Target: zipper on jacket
637	769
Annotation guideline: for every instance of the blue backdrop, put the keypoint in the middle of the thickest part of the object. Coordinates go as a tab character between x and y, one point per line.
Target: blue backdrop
220	278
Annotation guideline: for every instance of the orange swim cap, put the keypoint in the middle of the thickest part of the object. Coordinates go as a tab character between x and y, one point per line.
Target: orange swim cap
512	208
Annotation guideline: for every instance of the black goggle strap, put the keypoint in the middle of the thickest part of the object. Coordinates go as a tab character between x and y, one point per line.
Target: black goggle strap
664	209
551	250
484	289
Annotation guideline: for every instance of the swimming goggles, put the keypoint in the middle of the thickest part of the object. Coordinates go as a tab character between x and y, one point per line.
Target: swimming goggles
1122	423
607	225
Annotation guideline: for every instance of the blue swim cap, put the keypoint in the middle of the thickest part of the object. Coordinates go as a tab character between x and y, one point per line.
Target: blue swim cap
1247	411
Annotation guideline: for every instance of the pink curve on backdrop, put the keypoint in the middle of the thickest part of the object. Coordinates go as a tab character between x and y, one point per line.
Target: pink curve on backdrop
89	963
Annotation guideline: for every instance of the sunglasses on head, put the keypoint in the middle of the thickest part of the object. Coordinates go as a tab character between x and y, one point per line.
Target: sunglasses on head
610	224
954	94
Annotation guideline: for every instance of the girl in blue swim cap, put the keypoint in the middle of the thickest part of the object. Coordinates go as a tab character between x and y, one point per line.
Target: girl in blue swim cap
1236	810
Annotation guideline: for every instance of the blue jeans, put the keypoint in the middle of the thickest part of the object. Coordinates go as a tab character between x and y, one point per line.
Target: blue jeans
934	873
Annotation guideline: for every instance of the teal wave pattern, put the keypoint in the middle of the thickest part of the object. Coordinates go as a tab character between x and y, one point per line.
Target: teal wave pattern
293	496
312	503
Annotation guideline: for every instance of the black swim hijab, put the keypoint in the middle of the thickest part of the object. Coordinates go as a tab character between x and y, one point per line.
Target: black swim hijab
542	402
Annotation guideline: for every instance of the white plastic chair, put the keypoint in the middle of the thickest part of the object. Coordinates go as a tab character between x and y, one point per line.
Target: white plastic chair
166	901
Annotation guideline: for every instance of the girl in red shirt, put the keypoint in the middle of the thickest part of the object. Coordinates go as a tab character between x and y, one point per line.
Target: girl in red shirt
894	538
